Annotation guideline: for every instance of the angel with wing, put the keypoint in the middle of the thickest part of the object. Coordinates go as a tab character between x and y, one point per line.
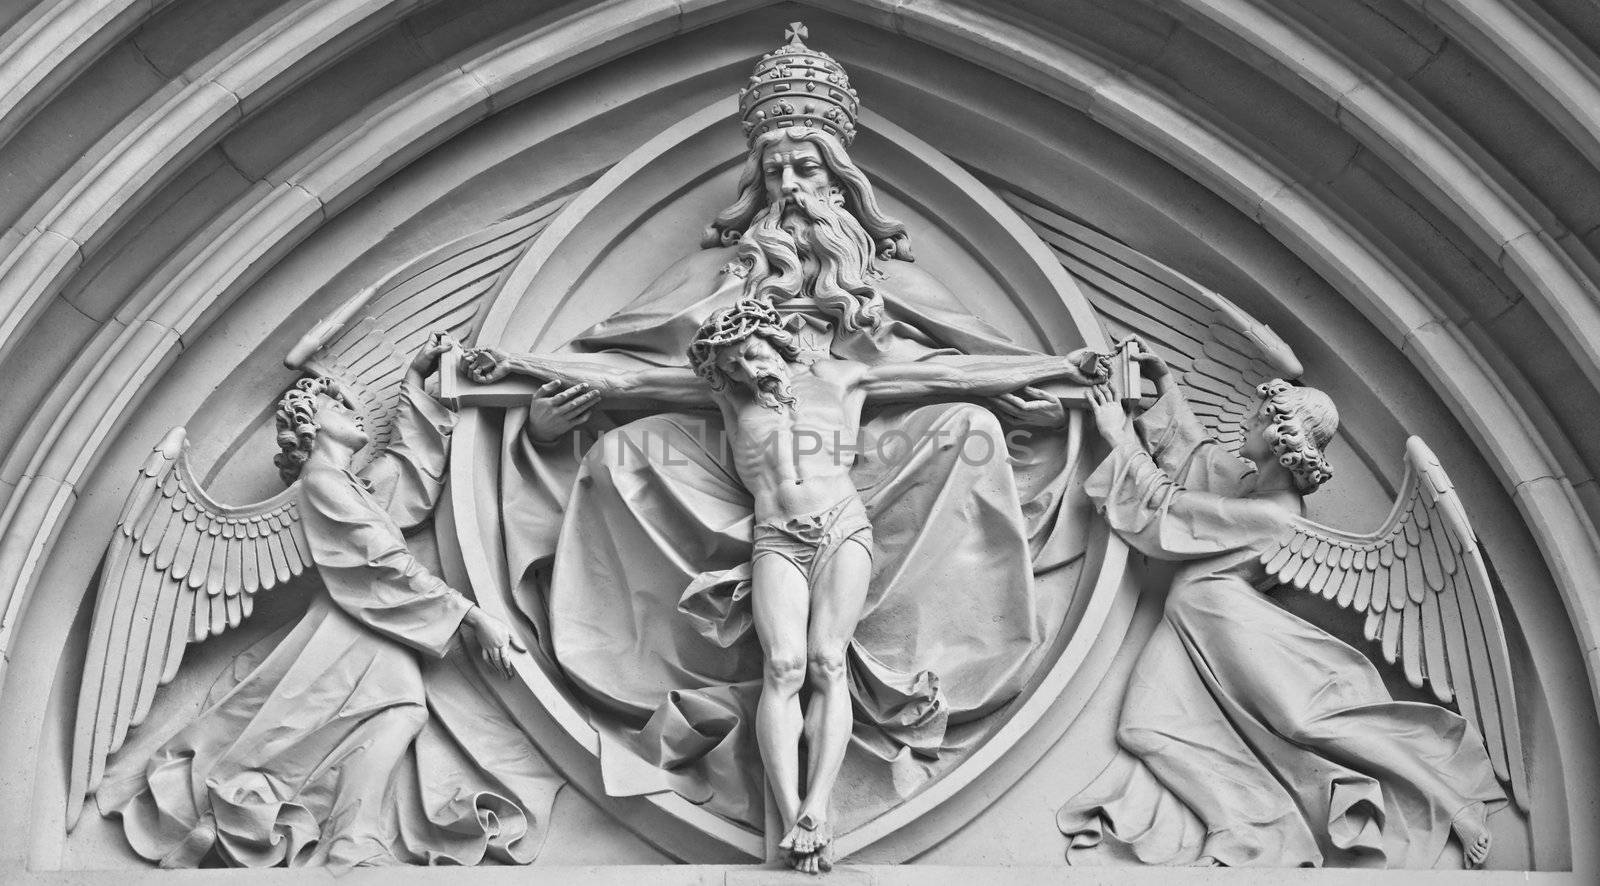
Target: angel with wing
298	763
1270	741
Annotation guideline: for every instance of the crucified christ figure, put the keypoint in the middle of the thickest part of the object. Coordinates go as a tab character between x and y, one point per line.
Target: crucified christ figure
793	418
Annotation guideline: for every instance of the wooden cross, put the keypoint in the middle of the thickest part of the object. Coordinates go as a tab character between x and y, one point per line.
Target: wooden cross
456	390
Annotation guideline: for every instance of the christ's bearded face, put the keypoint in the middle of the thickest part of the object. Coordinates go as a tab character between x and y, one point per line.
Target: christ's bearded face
754	364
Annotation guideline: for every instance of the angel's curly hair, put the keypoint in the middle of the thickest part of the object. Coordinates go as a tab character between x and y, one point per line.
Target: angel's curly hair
1302	423
743	319
297	424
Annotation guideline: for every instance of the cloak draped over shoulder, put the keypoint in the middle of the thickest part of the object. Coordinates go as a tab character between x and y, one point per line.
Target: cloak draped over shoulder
1250	735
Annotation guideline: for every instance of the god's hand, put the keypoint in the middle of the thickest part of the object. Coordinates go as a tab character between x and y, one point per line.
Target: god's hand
485	365
1109	417
1031	407
494	640
553	411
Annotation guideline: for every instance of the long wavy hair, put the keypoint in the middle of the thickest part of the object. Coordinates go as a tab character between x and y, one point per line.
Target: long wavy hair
888	235
774	252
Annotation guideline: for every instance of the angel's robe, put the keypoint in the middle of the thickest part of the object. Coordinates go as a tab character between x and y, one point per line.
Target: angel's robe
354	741
634	559
1249	734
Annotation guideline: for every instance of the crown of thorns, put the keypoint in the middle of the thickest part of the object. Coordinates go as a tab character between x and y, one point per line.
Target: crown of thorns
731	324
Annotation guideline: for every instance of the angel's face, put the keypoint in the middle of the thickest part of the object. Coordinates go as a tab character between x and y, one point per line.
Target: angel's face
337	421
1257	444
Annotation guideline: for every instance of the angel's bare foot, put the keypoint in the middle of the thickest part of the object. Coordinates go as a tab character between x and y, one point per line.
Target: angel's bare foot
1471	828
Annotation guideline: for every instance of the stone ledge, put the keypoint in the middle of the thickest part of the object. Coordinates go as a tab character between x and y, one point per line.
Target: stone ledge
845	875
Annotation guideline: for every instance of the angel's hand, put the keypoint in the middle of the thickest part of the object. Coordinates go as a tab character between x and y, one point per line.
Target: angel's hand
1109	417
553	411
485	365
1031	407
494	639
1089	366
426	362
1151	364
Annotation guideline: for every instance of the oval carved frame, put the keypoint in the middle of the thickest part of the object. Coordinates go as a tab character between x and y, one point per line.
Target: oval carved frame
544	300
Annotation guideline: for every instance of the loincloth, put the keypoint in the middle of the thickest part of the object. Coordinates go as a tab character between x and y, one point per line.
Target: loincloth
810	541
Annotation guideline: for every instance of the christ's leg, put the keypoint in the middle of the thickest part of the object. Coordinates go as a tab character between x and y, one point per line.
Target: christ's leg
780	600
837	598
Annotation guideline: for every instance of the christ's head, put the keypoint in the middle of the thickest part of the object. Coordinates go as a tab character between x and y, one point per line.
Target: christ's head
746	345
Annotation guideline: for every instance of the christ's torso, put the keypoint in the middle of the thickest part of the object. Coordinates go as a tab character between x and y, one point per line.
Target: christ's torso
796	459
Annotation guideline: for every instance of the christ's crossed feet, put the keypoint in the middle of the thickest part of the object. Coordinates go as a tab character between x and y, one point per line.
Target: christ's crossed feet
809	845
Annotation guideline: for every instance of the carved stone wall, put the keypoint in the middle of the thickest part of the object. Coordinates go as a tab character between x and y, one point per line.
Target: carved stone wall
1405	190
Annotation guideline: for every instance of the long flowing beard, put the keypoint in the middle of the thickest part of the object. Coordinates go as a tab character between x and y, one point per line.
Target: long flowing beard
816	248
773	391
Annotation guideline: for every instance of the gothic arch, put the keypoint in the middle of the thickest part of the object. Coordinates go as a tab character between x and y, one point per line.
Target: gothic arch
1403	189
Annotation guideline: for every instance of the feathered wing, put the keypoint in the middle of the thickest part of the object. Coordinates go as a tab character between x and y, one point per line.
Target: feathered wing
1217	350
1422	582
368	342
180	567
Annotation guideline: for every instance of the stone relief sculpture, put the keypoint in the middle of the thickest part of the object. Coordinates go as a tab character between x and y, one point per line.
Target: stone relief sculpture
793	419
659	642
678	582
1279	738
297	764
1217	352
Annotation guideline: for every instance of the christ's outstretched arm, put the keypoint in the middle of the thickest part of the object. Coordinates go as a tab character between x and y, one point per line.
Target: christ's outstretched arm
607	378
977	375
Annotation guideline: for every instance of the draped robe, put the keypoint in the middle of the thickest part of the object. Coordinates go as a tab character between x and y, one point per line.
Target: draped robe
1249	734
632	555
356	740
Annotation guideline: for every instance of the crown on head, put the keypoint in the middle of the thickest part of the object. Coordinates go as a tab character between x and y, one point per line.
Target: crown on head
797	86
735	323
